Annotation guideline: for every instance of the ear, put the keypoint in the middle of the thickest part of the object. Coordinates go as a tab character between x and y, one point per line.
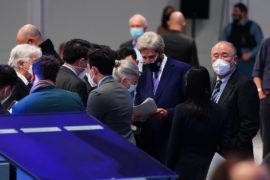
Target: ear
235	59
20	64
31	41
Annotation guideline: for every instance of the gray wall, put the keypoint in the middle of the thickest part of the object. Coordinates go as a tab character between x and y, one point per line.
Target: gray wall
106	22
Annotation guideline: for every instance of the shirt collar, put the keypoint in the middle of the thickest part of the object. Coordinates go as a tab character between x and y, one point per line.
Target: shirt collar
23	78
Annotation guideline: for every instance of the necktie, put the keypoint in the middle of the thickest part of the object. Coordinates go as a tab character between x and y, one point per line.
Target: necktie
216	91
156	81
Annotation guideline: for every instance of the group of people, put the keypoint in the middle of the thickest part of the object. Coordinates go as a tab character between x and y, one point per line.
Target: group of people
196	116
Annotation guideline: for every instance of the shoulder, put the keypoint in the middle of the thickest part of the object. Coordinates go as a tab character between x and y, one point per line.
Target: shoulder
178	64
126	44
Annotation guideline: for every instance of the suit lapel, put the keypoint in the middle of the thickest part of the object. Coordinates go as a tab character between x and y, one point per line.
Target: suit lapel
228	89
166	74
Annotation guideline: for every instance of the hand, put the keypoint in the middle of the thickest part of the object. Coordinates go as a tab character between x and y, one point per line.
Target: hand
160	113
246	56
262	95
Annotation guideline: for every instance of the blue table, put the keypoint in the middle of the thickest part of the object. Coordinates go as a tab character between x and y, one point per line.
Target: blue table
73	146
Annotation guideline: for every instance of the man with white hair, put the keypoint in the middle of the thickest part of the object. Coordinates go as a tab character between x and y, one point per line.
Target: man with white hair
30	34
21	58
162	80
178	45
137	26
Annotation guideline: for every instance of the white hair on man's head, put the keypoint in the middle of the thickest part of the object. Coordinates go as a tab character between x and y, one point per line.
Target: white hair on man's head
225	43
23	52
125	68
150	40
139	16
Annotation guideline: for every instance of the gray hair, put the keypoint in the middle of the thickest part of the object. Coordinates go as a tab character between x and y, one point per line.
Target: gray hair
150	40
125	68
23	52
226	43
138	16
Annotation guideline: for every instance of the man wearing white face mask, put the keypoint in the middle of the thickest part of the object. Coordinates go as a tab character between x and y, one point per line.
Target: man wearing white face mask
238	94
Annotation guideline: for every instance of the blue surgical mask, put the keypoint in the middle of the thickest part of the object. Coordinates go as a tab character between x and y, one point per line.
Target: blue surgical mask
132	88
136	32
221	67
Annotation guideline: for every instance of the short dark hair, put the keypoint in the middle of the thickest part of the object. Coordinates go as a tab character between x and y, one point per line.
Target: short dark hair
242	7
46	68
76	49
122	53
103	59
8	76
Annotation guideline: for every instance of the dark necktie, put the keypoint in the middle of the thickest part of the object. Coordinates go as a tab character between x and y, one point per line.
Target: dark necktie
156	82
216	91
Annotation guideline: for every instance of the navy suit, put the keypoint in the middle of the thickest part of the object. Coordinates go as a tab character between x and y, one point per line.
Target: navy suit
155	132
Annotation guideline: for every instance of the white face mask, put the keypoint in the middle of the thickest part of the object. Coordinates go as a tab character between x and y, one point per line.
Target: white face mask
30	70
132	88
82	74
221	67
91	81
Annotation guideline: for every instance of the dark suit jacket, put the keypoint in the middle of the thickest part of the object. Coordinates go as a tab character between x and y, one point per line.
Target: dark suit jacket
19	92
47	49
181	47
194	140
240	97
66	79
155	132
127	44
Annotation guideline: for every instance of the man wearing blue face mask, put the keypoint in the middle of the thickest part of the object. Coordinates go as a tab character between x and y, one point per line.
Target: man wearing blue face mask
238	94
137	26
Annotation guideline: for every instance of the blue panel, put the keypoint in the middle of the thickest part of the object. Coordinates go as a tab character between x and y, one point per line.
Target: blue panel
72	155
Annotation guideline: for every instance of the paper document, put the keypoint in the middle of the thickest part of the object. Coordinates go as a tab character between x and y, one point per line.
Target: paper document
144	109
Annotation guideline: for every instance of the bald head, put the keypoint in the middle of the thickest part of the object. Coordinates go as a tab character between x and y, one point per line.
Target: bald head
176	21
29	34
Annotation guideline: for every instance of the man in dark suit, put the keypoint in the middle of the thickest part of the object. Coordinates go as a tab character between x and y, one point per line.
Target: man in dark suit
75	66
238	94
162	80
21	58
177	44
137	26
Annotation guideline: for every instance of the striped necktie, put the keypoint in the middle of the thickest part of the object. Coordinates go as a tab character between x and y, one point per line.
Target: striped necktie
216	91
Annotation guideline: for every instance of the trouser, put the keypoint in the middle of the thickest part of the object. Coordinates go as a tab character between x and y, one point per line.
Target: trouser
265	124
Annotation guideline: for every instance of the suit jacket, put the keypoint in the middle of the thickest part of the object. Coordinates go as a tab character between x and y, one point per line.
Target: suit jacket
127	44
19	92
47	49
195	139
48	100
155	132
111	104
66	79
240	97
181	47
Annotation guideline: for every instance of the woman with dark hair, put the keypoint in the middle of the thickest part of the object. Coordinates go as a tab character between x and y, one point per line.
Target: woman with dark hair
198	128
167	11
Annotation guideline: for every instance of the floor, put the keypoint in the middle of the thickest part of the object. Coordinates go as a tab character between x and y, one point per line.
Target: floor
257	147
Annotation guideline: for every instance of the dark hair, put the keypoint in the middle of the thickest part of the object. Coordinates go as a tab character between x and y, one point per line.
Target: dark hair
46	68
76	49
8	76
198	90
122	53
167	11
103	59
242	7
